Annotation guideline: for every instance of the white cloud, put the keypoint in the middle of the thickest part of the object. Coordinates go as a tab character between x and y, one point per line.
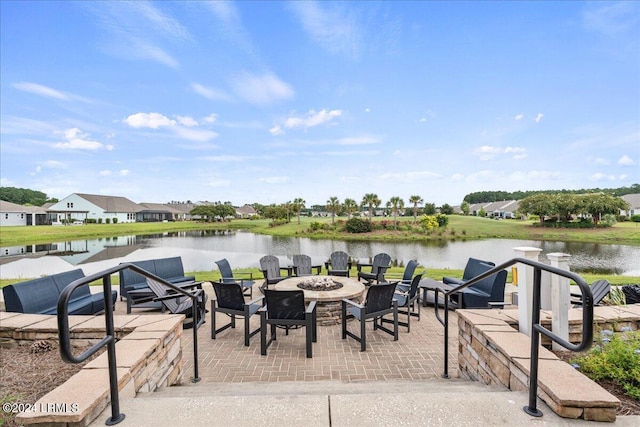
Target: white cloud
602	177
457	177
358	140
262	90
41	90
367	110
124	172
198	135
276	130
211	118
275	179
218	183
519	117
149	120
186	121
411	176
104	172
54	164
539	117
329	27
487	152
600	161
312	119
76	140
611	18
623	177
626	161
349	179
210	93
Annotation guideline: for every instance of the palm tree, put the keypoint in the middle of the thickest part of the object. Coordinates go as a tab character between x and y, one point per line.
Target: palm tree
371	200
350	206
333	204
396	204
298	205
416	200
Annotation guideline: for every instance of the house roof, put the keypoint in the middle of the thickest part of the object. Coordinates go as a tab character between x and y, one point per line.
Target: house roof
633	200
111	203
246	210
159	207
6	206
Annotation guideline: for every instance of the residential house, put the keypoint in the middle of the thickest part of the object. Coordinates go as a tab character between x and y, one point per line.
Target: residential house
246	211
634	204
12	214
82	207
157	212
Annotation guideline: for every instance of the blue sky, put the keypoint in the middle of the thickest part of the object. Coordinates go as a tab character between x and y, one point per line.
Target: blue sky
270	101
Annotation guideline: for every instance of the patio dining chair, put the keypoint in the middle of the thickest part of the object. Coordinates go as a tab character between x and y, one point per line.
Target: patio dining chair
378	303
407	276
287	309
230	301
408	304
227	277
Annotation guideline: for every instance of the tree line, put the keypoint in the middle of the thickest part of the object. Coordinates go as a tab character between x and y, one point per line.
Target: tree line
496	196
25	196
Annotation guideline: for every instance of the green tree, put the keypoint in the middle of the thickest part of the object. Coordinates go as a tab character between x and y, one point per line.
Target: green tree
333	205
350	207
396	204
371	200
297	206
538	204
446	209
416	200
599	204
24	196
429	209
465	207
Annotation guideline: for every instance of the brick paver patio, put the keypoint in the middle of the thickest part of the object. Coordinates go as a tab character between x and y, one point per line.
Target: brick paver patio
416	355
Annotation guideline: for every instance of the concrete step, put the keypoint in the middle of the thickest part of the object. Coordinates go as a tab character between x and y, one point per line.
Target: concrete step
335	404
296	388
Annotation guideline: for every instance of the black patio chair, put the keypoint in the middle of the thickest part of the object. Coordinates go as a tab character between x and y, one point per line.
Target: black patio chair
408	302
287	309
407	276
338	264
227	277
381	262
599	290
302	266
473	268
378	303
230	301
177	303
271	270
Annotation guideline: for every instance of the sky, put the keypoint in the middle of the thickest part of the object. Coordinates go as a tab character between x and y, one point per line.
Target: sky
265	102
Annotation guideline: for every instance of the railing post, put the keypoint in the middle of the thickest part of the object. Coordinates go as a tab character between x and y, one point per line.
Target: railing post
535	342
525	287
116	416
196	321
445	374
560	295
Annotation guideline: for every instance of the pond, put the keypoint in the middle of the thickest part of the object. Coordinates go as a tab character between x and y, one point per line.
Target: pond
199	250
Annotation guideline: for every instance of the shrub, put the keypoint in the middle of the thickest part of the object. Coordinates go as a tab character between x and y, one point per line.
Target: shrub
315	226
635	218
357	225
614	358
443	220
609	220
107	220
114	220
429	222
99	220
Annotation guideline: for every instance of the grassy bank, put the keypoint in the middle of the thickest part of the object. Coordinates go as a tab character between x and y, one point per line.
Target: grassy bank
459	228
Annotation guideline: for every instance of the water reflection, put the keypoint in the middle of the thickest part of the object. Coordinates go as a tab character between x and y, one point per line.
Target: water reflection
199	250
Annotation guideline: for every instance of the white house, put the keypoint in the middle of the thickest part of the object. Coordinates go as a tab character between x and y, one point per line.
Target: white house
17	215
634	204
81	207
246	211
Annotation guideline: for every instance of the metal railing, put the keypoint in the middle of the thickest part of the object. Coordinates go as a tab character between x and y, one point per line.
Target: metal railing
109	339
536	326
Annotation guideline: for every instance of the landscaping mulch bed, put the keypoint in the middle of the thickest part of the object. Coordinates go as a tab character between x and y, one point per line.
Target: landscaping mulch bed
27	373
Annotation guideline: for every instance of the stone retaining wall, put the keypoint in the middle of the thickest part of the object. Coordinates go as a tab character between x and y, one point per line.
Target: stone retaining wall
492	350
148	356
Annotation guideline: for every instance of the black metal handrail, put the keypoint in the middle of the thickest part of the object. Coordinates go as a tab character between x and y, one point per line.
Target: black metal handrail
64	335
536	327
